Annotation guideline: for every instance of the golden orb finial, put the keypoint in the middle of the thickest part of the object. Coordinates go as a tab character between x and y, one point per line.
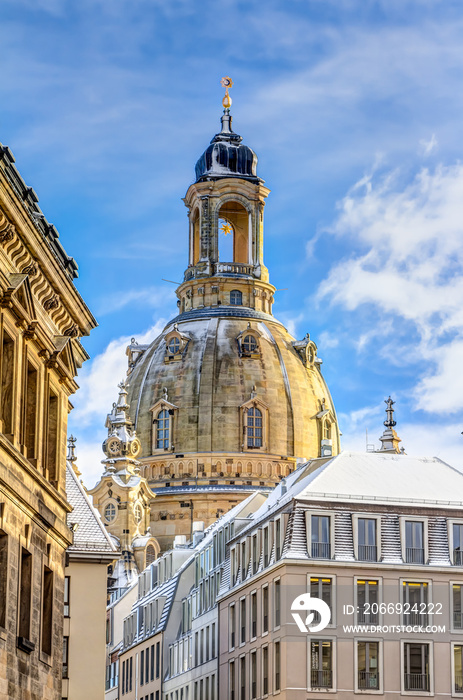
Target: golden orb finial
227	83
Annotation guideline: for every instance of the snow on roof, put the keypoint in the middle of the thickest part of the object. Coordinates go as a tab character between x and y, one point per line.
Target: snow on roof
91	536
393	478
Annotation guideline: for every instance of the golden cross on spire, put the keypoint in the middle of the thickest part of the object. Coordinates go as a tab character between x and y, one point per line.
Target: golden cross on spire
227	83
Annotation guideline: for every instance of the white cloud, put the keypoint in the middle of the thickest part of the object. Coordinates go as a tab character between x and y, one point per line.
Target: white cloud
327	340
428	147
409	266
99	379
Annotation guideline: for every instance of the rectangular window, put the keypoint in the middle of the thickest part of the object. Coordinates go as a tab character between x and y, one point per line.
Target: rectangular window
277	539
277	603
243	621
255	555
30	412
51	436
416	667
213	686
367	602
207	642
65	657
196	691
130	673
321	663
231	679
243	678
277	668
152	662
265	671
322	588
25	592
266	549
414	542
232	625
367	549
458	668
142	667
321	537
158	659
457	603
213	640
253	615
147	665
47	610
123	678
457	544
244	567
67	590
7	378
415	600
253	675
3	576
368	666
265	609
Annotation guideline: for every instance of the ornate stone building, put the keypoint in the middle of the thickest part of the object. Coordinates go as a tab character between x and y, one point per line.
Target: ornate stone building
42	317
224	401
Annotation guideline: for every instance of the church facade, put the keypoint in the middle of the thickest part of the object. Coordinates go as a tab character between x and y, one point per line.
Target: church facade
225	401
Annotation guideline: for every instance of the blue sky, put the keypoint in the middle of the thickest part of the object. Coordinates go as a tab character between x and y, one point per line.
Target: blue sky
355	111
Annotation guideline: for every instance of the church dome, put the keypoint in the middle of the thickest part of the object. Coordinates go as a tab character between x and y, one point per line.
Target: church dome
229	361
226	156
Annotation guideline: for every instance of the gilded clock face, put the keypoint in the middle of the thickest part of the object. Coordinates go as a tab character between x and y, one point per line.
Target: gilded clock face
135	447
114	446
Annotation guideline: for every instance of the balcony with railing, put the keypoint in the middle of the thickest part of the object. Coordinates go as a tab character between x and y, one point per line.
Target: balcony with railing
321	679
417	681
368	618
368	552
321	550
368	680
458	620
458	557
458	683
415	618
233	268
414	555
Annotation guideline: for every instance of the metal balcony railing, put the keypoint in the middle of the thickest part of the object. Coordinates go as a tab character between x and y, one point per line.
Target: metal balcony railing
414	555
458	557
321	550
417	681
458	620
368	618
321	679
367	679
458	683
368	552
416	618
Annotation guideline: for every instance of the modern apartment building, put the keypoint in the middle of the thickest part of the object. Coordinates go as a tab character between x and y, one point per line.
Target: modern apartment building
378	538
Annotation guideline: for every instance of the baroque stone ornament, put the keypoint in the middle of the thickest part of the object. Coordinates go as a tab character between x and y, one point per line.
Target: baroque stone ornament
51	303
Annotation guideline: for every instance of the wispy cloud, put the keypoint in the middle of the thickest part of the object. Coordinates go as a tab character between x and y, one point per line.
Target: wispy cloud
409	266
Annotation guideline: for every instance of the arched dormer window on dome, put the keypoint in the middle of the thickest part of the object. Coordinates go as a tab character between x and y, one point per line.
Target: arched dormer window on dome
249	343
164	419
236	297
254	425
176	345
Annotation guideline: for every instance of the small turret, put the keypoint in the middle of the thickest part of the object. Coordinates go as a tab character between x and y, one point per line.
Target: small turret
389	439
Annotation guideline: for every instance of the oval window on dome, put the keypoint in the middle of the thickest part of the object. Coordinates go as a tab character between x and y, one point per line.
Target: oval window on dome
249	344
174	346
236	297
110	512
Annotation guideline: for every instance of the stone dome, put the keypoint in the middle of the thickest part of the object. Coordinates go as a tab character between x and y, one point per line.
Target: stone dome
215	381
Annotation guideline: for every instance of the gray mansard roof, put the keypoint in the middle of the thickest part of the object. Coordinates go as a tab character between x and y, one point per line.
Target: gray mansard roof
91	539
